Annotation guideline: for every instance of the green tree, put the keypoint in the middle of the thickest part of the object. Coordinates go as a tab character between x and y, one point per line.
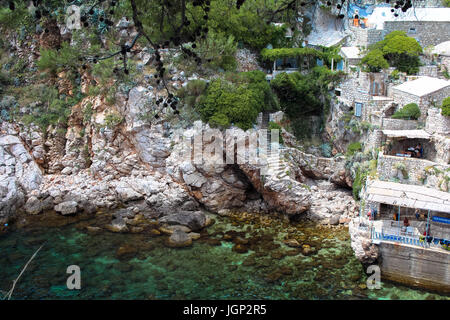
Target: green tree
235	100
375	61
398	50
303	95
218	50
446	107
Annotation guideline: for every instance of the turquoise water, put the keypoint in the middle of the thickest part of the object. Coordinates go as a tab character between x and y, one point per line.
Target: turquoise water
210	269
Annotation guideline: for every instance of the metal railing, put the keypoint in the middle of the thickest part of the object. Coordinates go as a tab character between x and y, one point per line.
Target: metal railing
405	238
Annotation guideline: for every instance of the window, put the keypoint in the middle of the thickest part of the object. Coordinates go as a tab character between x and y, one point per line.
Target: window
358	109
337	92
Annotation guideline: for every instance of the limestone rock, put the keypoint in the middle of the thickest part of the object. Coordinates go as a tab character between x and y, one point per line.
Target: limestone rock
33	205
334	220
126	193
65	208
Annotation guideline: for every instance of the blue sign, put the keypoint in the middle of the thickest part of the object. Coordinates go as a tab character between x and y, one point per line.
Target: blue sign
441	220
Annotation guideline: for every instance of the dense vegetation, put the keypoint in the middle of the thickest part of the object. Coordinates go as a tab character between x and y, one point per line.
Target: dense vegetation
301	95
395	50
236	99
410	111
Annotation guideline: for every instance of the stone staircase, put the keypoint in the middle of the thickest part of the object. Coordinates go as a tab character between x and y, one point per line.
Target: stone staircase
274	165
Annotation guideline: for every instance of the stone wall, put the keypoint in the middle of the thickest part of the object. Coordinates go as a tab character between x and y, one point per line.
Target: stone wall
436	122
445	63
373	140
415	169
398	124
355	88
429	71
415	266
366	37
427	33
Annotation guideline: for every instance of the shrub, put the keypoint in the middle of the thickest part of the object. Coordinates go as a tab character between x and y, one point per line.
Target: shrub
410	111
239	104
256	82
237	101
219	120
112	120
395	75
303	95
326	150
219	50
360	180
51	108
4	81
191	93
354	147
247	24
446	107
54	60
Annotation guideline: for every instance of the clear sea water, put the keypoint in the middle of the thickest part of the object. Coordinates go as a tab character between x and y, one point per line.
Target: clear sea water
202	271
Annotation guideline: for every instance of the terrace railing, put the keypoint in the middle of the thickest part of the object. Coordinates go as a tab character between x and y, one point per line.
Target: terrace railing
409	238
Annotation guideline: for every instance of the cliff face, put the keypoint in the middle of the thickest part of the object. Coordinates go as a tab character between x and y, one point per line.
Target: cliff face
20	175
94	166
111	156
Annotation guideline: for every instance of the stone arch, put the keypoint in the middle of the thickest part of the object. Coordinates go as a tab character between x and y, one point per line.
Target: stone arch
389	110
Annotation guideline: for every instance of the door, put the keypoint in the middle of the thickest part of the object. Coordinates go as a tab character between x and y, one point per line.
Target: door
358	109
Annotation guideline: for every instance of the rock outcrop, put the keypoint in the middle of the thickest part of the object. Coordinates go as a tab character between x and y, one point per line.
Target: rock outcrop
365	251
19	174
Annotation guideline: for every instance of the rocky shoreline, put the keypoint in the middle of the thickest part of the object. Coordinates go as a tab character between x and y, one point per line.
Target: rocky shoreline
145	174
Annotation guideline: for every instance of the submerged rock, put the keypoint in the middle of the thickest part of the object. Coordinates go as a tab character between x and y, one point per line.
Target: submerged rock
292	243
117	225
179	239
126	252
194	220
240	248
214	242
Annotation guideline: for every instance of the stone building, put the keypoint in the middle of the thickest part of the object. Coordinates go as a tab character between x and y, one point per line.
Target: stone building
363	90
426	92
351	57
429	26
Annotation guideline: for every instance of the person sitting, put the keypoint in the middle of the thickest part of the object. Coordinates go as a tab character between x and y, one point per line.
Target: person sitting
406	222
419	151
